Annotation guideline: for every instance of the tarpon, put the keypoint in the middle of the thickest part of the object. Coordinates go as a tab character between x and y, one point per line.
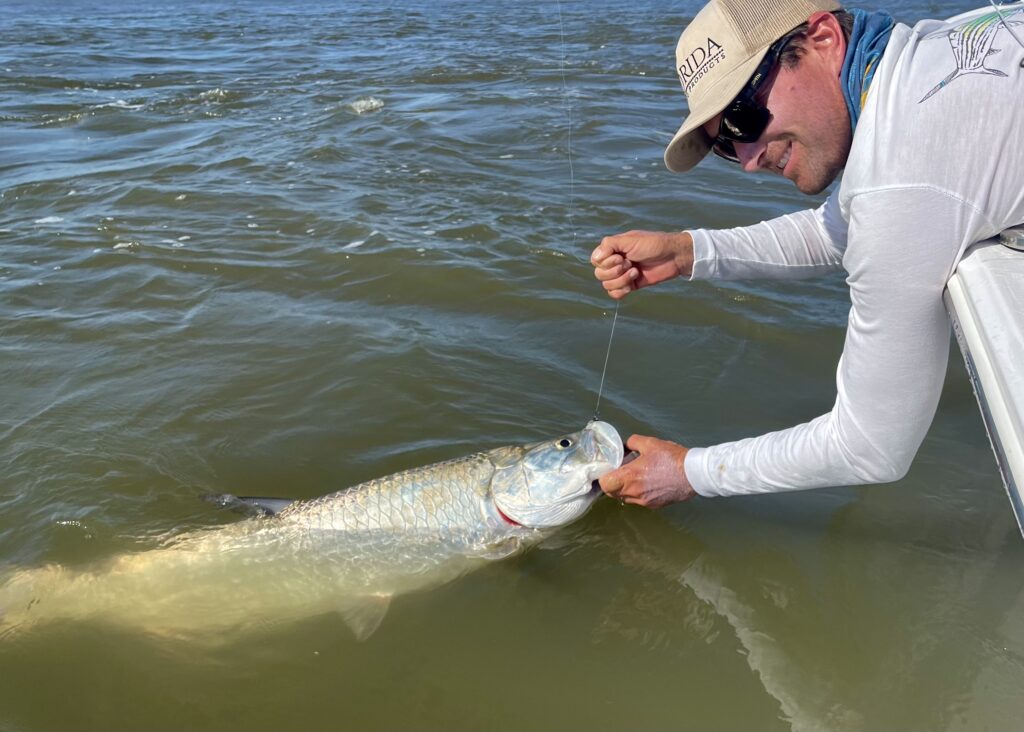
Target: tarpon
349	552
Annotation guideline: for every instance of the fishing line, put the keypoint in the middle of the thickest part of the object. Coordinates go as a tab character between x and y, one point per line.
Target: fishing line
567	105
600	389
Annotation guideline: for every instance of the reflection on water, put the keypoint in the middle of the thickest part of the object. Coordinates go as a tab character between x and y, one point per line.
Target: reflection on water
863	635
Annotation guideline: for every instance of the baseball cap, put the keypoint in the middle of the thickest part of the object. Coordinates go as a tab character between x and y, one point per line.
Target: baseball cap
715	57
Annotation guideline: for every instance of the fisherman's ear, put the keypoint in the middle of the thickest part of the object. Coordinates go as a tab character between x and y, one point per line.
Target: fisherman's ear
825	37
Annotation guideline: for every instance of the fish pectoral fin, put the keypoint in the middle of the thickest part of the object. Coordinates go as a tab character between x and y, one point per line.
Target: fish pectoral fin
364	614
500	549
252	505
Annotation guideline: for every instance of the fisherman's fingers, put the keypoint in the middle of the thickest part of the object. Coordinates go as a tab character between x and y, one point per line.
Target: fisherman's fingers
624	484
660	477
617	293
611	483
611	246
617	276
641	443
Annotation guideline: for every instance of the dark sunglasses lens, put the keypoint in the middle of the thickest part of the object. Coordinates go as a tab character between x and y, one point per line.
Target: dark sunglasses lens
743	122
724	149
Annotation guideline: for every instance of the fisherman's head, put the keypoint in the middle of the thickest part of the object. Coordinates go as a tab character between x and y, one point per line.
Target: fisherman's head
762	79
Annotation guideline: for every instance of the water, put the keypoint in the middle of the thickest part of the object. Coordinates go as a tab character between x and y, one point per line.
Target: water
280	248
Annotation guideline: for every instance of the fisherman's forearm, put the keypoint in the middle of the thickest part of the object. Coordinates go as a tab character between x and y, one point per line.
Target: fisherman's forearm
796	246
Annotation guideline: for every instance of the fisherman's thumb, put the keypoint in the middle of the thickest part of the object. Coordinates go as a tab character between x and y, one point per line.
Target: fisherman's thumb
611	483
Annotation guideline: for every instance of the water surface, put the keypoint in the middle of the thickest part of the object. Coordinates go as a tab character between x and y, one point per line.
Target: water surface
280	248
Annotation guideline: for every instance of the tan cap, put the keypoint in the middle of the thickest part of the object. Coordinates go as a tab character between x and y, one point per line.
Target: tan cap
716	56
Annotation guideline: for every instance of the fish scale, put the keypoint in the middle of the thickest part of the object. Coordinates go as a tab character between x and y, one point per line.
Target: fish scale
447	496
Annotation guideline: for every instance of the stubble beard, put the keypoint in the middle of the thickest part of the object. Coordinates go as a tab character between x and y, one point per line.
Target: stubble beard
823	173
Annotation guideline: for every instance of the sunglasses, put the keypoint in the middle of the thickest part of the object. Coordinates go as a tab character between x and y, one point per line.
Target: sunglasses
745	119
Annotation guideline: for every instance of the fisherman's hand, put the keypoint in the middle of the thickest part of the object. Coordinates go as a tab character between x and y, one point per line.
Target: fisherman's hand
627	262
654	479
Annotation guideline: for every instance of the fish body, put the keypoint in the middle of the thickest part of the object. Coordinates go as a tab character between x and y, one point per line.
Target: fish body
349	552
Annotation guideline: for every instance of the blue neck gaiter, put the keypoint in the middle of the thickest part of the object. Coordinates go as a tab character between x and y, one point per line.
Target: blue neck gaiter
864	49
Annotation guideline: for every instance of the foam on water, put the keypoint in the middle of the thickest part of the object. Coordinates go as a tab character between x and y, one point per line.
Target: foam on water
120	104
366	105
216	95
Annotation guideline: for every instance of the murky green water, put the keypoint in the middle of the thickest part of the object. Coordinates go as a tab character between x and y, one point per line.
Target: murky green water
278	249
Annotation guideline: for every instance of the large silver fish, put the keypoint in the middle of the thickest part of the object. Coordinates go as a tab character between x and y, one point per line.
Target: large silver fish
349	552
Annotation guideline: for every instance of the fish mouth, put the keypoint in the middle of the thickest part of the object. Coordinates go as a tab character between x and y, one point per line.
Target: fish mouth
606	446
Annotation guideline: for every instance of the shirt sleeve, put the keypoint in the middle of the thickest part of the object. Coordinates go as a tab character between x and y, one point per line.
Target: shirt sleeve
903	246
803	244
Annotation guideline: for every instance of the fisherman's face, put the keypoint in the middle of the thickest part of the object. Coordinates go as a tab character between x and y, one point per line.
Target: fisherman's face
808	137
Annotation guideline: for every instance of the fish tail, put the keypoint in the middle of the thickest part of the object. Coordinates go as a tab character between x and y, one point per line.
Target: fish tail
992	72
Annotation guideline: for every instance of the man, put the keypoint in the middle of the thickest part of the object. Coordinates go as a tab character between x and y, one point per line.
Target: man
925	124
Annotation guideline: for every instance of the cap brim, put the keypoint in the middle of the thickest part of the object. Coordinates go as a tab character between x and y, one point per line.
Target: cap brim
691	143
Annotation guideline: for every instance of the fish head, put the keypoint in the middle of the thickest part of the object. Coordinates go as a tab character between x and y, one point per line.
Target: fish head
551	483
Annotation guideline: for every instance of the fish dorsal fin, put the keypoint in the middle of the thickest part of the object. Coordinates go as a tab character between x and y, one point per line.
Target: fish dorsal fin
365	613
271	506
256	505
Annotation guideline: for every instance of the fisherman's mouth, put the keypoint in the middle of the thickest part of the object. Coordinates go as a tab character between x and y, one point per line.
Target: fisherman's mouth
780	166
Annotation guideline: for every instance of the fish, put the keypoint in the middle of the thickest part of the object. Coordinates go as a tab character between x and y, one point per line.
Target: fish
349	552
971	44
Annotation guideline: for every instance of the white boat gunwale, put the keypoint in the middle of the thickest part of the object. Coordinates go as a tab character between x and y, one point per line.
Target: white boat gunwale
974	300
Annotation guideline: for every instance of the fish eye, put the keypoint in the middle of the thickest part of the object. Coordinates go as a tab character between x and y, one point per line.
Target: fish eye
564	443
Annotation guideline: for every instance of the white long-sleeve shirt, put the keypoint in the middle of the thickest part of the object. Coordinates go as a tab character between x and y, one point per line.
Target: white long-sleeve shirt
937	163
